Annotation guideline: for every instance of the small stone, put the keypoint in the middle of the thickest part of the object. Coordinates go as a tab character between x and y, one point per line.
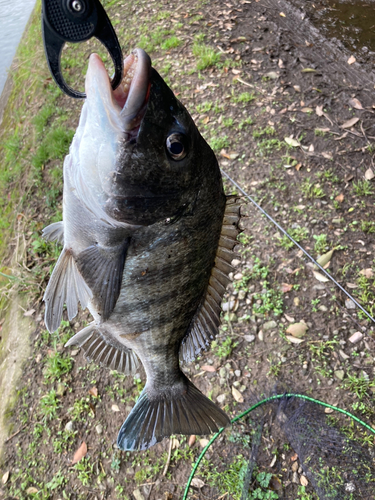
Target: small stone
323	308
249	338
74	352
222	372
115	408
339	374
343	355
232	317
243	388
130	471
269	325
237	373
236	383
242	294
228	306
203	442
295	466
261	335
304	481
238	276
295	478
356	337
69	426
138	495
222	381
221	398
236	262
349	304
99	429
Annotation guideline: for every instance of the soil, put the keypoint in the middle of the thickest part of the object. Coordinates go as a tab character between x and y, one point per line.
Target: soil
305	89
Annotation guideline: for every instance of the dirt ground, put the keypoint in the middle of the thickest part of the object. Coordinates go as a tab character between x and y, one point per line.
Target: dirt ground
291	118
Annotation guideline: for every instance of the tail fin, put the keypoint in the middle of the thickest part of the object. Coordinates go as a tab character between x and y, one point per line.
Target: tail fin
153	418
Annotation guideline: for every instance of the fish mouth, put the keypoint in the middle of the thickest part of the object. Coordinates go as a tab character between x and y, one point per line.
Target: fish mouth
129	100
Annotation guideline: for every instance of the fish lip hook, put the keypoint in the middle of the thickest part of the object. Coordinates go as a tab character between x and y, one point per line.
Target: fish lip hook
76	21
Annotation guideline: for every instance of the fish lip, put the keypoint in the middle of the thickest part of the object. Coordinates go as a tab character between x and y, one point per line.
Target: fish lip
133	92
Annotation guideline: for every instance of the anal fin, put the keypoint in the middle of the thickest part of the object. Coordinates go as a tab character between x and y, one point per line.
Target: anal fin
104	349
66	285
102	270
54	232
205	325
185	411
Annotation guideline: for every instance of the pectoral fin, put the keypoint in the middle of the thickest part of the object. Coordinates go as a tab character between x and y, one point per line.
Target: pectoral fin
102	270
54	232
66	286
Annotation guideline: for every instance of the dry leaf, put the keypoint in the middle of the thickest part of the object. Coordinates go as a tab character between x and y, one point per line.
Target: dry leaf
115	408
94	392
298	166
307	110
311	148
304	481
327	156
175	443
339	198
5	477
31	490
320	277
282	14
285	287
369	174
29	313
297	330
325	258
205	120
368	273
237	395
197	483
291	142
351	60
355	103
296	301
294	340
208	368
350	123
308	70
192	440
80	453
319	110
289	318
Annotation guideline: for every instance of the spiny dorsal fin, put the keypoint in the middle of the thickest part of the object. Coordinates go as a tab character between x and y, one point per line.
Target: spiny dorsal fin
205	325
101	347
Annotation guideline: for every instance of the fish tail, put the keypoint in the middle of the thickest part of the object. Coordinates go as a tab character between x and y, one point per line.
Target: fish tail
177	411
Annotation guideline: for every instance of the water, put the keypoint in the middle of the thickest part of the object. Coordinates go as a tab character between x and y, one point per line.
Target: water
350	21
14	15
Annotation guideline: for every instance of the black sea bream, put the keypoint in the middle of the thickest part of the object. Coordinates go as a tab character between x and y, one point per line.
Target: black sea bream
148	237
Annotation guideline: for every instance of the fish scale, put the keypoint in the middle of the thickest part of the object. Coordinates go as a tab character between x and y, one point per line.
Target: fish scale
148	239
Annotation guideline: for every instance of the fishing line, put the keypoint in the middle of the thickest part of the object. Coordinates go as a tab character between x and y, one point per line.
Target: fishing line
297	244
257	405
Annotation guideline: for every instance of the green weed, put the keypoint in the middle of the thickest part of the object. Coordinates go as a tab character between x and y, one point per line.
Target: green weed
224	349
206	55
298	234
321	243
311	190
49	405
363	188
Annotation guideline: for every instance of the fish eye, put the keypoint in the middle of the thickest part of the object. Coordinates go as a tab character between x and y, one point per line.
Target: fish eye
176	146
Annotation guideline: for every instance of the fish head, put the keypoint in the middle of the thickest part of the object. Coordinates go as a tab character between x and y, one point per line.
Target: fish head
147	157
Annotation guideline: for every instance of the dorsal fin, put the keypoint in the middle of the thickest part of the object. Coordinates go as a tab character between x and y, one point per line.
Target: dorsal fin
205	324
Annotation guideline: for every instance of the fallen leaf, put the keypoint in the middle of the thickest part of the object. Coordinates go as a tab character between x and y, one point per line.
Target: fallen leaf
192	440
308	70
237	395
325	258
115	408
296	301
351	60
94	392
291	142
307	110
303	480
285	287
272	75
351	285
29	313
5	477
320	277
294	340
80	453
297	330
369	174
282	14
368	273
197	483
355	103
208	368
297	88
294	457
311	148
205	120
289	318
328	410
175	443
350	123
327	156
319	110
31	490
298	166
339	198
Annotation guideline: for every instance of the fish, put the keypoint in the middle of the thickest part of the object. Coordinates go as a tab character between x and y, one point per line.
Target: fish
148	239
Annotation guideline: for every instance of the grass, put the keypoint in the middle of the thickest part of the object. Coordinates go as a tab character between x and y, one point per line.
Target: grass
206	56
